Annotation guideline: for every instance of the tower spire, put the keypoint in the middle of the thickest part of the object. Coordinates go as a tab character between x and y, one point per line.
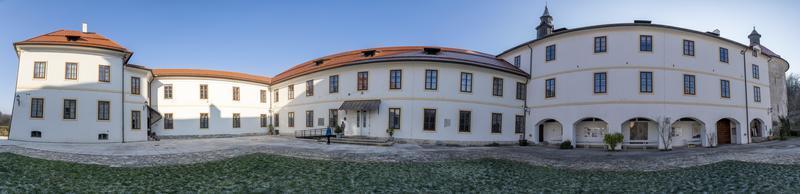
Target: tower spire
755	37
545	25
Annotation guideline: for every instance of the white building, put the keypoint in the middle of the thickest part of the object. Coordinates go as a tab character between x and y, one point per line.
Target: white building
566	85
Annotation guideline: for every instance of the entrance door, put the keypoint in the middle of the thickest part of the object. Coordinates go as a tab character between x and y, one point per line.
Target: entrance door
362	122
724	131
541	133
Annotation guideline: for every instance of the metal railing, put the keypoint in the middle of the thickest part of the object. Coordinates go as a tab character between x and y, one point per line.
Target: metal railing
310	133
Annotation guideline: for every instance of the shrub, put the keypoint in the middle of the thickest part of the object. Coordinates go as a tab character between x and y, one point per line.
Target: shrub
566	145
3	131
271	130
612	140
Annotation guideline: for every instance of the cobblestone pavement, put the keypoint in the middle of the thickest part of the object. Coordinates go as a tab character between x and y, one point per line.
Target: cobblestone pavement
186	151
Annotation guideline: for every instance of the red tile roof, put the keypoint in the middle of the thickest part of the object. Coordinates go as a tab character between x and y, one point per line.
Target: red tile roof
407	53
210	74
62	37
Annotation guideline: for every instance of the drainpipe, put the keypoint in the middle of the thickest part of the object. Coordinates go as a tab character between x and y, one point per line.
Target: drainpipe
530	72
746	97
123	101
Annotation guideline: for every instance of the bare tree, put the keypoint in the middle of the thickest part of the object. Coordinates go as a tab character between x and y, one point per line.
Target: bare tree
793	99
666	133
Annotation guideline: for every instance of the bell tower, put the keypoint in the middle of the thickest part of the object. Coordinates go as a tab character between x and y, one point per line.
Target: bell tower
545	25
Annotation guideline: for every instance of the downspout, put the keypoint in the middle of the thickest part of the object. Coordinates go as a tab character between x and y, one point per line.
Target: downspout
530	73
122	110
17	97
746	97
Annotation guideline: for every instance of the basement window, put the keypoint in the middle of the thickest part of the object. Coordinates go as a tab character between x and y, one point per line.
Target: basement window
369	53
102	136
432	51
73	38
36	134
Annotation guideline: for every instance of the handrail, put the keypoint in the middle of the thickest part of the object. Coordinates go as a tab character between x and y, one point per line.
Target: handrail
310	133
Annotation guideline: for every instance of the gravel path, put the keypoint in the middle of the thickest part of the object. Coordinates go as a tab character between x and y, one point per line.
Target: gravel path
172	152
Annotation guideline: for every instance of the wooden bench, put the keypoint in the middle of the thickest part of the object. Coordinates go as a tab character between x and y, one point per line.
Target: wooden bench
640	143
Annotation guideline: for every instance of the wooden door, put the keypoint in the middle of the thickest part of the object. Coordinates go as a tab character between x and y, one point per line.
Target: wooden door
541	133
724	132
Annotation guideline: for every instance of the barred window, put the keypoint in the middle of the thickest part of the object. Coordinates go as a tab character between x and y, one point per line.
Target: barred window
394	118
237	120
136	119
519	124
263	120
497	86
103	110
204	91
521	91
429	120
168	122
236	93
70	109
333	117
37	107
310	118
291	119
497	122
204	120
464	121
276	119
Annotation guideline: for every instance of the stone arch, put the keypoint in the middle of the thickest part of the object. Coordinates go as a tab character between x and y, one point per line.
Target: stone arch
550	131
589	131
757	128
725	132
640	131
688	131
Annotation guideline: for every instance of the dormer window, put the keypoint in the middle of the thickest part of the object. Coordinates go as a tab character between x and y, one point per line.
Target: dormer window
369	53
319	62
73	38
432	51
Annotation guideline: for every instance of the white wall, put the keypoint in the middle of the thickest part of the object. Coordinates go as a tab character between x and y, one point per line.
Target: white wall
412	99
186	106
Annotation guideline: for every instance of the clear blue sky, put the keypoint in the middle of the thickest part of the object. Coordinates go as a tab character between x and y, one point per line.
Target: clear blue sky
267	37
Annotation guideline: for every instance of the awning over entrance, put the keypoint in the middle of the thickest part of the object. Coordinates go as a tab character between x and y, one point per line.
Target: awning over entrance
360	105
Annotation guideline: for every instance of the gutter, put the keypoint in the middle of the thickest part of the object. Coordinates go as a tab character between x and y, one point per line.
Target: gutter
746	97
123	99
530	72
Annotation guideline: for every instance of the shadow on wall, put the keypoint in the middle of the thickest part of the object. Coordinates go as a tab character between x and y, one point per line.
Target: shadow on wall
219	123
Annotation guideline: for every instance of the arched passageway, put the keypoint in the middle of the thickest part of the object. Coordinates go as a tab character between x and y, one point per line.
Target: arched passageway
590	132
726	131
687	131
550	131
640	132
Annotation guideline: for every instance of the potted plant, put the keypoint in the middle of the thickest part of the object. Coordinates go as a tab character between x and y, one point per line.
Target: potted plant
565	145
390	131
338	130
612	140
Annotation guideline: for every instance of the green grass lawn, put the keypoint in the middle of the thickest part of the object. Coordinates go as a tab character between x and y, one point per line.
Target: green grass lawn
269	173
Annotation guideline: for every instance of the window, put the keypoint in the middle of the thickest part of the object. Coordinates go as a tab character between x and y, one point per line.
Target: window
550	88
431	79
263	120
70	107
102	136
639	130
688	84
497	86
755	72
550	53
168	122
333	117
291	119
71	71
363	79
36	134
310	118
37	107
646	43
333	84
204	120
646	82
136	87
310	88
39	70
275	95
237	120
168	91
521	91
497	122
394	118
396	79
688	47
136	119
466	82
104	74
517	61
263	96
600	44
755	53
291	92
756	94
103	110
600	82
723	55
429	120
276	119
725	88
519	124
464	121
203	91
236	93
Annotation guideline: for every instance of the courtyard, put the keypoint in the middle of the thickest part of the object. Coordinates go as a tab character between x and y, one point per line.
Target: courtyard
283	164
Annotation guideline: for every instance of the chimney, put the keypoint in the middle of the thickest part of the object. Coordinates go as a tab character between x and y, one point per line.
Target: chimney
85	27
